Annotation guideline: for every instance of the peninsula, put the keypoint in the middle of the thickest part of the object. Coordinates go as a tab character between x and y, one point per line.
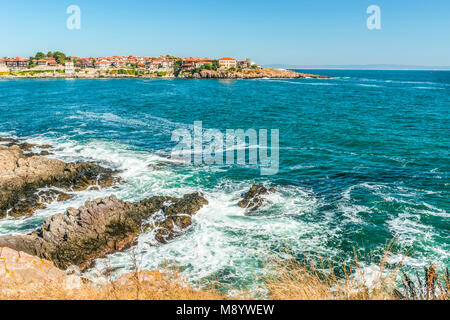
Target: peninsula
58	65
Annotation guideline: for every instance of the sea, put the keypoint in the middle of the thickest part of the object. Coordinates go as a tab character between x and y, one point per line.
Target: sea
363	164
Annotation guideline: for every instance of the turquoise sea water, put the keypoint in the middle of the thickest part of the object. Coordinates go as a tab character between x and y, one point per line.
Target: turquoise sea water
364	157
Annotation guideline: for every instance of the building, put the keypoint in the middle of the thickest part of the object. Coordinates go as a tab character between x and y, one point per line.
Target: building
42	62
102	65
69	67
86	63
118	64
244	64
188	64
52	62
203	62
3	67
17	63
153	65
227	63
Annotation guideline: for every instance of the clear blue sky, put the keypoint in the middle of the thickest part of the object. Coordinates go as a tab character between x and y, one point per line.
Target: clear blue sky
306	32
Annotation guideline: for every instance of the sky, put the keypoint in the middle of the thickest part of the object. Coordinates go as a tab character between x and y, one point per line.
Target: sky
291	32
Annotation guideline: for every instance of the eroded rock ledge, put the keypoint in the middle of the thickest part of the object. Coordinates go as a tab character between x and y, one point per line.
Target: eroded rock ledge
23	174
104	226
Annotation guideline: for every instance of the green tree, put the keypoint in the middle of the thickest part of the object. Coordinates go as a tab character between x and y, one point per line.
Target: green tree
39	55
215	64
59	57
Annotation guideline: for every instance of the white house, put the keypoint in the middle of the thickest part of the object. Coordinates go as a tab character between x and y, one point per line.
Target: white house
69	67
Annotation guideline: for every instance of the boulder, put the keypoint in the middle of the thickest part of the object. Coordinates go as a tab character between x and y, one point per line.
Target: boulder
104	226
253	199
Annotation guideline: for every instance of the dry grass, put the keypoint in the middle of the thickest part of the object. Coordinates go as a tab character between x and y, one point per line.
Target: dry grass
291	280
286	279
433	286
137	285
143	285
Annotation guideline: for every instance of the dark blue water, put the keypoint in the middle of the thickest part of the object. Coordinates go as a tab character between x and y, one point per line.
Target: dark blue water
364	157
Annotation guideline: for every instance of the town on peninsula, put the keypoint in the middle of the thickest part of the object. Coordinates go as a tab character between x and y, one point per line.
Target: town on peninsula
58	65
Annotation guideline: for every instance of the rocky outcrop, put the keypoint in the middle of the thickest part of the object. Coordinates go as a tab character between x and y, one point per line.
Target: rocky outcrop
253	199
19	270
105	226
249	74
24	174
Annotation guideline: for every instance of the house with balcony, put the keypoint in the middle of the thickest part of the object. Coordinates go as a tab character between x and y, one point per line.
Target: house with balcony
188	64
227	63
17	63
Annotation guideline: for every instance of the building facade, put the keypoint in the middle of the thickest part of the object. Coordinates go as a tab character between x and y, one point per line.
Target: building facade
227	63
69	67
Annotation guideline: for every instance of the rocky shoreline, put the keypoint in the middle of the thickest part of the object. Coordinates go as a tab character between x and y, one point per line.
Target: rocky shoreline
104	226
204	74
77	237
29	180
251	74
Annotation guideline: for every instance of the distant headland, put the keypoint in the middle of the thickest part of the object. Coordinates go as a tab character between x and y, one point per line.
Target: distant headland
58	65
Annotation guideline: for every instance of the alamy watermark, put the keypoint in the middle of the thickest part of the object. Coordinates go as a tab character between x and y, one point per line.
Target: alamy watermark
234	147
374	20
74	20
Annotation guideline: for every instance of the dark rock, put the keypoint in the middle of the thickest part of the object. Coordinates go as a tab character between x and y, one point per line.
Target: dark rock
22	176
253	199
26	146
157	166
45	146
8	141
103	226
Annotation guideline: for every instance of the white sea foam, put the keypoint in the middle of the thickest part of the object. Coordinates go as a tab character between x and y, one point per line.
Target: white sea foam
369	85
428	88
224	238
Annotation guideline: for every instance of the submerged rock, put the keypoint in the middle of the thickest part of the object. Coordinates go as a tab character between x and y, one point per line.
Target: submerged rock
253	199
104	226
22	176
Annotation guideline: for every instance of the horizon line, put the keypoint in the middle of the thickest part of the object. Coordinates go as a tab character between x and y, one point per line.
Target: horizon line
393	67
